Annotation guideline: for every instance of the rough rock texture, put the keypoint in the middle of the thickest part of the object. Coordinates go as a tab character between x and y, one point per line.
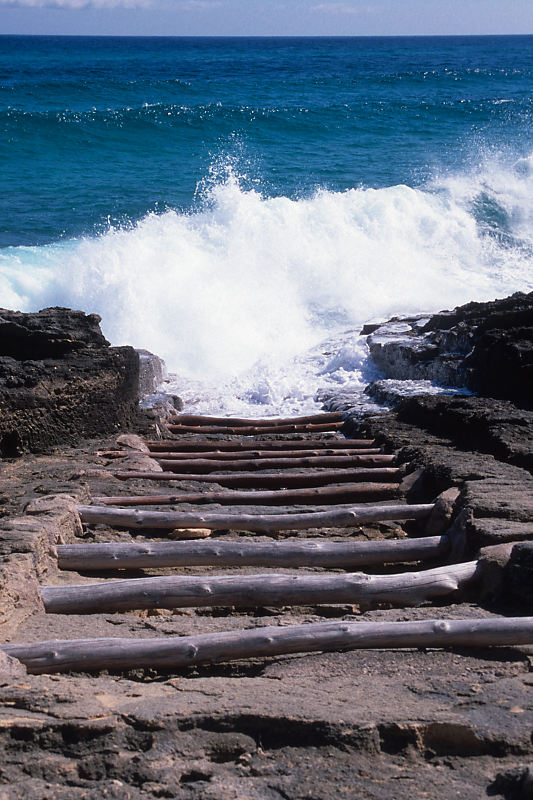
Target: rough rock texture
486	347
60	380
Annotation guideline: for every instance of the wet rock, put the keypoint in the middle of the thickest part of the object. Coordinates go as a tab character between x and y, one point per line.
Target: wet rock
152	371
485	347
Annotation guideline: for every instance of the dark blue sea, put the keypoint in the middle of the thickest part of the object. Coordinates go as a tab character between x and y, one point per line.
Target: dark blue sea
241	206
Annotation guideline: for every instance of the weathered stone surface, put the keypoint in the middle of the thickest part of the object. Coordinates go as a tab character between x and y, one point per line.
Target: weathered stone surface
140	463
130	441
11	670
441	517
60	380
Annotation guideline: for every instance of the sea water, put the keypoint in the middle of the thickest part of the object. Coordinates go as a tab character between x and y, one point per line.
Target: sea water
242	207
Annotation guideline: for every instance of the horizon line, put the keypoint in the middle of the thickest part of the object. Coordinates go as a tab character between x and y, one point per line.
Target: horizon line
270	35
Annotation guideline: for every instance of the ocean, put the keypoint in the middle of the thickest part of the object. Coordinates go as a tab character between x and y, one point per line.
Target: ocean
242	206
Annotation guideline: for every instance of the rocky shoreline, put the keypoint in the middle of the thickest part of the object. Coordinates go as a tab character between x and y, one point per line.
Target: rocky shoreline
376	724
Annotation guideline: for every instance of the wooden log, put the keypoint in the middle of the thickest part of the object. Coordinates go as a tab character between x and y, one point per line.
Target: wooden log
180	445
176	652
273	480
237	455
260	523
203	466
186	591
234	422
255	430
240	455
324	495
288	553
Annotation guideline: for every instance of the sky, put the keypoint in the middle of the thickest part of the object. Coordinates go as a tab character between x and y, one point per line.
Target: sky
266	17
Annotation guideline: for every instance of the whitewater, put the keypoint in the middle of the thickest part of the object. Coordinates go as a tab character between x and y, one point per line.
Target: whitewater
257	302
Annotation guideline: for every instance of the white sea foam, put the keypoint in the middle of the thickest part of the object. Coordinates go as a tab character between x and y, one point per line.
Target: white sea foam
248	299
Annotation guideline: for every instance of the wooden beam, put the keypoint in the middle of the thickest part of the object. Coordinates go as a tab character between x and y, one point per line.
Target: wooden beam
233	422
205	465
179	445
273	480
178	652
260	523
324	495
255	430
186	591
248	552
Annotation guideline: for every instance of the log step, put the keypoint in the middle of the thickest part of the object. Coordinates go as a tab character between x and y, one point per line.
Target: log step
347	493
239	455
279	480
201	465
255	430
200	420
177	652
408	588
262	523
288	553
264	444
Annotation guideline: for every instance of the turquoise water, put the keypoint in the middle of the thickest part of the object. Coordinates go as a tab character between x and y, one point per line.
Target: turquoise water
231	203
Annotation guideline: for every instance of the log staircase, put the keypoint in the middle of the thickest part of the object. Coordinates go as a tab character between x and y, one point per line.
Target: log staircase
316	480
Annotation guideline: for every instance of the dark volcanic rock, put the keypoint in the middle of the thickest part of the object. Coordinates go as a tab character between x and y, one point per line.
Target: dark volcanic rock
486	347
60	380
50	333
520	575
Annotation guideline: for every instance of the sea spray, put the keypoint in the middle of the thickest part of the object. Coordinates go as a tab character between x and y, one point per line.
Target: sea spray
248	298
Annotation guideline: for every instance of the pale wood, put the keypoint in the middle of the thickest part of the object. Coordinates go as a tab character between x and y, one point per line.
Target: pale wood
198	420
273	480
176	652
261	523
328	495
186	591
254	430
345	493
248	552
180	445
201	465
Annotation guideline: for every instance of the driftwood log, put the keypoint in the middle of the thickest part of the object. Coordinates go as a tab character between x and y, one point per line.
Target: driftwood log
185	591
328	495
313	419
288	553
272	480
175	652
255	430
266	444
205	465
261	523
